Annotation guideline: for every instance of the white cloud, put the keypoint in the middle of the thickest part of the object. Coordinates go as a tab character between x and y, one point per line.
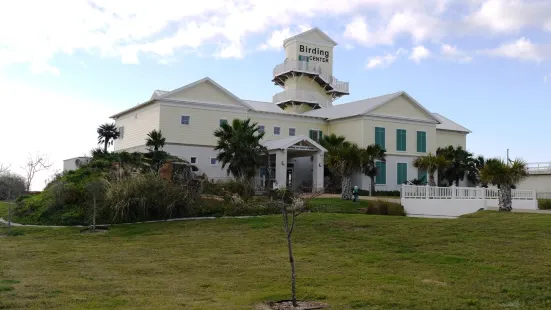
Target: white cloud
275	41
384	61
56	127
522	49
453	53
509	16
419	53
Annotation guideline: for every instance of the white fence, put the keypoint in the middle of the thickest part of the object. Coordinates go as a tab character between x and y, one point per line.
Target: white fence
455	201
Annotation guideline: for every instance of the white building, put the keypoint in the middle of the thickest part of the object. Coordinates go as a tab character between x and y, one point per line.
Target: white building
294	120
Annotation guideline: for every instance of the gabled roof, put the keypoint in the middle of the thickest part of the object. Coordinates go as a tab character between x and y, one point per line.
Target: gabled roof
363	107
205	80
447	124
313	30
281	144
157	93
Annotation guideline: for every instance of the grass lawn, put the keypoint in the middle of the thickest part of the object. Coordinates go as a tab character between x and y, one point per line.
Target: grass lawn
4	210
337	205
487	260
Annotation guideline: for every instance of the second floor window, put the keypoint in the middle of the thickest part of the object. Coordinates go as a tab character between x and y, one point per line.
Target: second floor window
277	131
184	120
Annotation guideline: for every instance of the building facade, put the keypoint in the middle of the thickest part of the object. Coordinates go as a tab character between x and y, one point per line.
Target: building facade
294	120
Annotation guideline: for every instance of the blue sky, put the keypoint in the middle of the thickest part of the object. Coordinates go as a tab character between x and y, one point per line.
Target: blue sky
485	64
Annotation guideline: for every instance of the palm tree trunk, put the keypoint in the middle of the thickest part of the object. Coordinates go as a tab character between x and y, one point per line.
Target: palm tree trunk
346	188
431	180
372	191
505	199
105	145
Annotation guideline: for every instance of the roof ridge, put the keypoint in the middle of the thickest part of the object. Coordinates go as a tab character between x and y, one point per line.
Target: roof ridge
394	93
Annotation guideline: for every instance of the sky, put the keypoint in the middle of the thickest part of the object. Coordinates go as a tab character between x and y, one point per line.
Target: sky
66	66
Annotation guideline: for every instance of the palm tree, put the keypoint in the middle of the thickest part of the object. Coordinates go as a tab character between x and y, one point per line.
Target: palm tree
239	147
107	133
343	161
370	155
330	142
431	164
155	140
459	162
504	176
473	170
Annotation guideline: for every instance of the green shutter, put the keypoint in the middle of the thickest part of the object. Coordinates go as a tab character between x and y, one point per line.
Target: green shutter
311	134
400	139
422	176
421	142
320	135
380	137
401	173
381	172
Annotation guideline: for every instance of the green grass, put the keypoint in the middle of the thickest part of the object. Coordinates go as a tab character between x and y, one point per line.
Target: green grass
487	260
337	205
4	210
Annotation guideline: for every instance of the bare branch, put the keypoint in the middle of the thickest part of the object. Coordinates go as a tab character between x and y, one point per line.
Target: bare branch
4	169
35	164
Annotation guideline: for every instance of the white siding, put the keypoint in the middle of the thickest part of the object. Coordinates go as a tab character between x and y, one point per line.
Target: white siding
445	138
390	135
205	92
351	128
392	174
137	125
538	183
402	107
302	125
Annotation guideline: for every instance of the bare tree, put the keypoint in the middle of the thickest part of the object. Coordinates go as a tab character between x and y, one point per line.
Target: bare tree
38	162
291	204
4	169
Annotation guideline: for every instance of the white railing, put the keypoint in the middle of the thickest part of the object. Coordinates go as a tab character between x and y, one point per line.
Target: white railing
299	95
539	168
433	192
313	68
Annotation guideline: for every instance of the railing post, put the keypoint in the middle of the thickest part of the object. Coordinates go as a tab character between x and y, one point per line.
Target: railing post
453	192
427	196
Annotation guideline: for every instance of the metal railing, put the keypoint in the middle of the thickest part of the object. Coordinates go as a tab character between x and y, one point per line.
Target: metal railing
299	95
433	192
312	68
539	168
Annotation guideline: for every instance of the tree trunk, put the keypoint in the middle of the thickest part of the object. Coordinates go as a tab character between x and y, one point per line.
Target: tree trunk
105	145
346	188
293	276
505	200
431	180
372	191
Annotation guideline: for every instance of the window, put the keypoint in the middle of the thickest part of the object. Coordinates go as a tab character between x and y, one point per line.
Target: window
223	121
380	137
422	176
292	132
380	178
261	128
316	135
193	160
401	173
400	140
213	161
121	132
277	131
421	142
184	120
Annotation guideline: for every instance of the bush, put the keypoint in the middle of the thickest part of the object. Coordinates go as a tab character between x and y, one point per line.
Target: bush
11	184
149	197
244	189
381	207
218	207
544	204
363	192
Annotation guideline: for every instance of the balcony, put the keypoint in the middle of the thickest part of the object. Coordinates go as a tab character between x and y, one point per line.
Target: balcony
539	168
301	96
332	84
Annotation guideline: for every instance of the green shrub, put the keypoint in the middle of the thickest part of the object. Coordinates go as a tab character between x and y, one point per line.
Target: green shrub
244	189
218	207
363	192
149	197
544	204
381	207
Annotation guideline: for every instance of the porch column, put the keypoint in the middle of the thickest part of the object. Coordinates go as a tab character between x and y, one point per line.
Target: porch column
317	172
281	168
